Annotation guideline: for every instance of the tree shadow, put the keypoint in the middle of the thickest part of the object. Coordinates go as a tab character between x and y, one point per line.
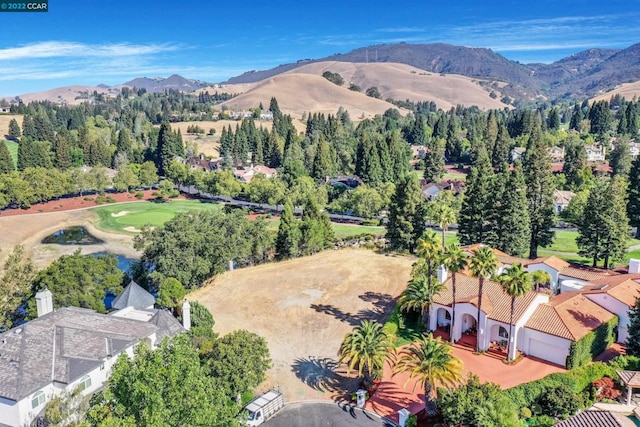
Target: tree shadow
324	375
382	305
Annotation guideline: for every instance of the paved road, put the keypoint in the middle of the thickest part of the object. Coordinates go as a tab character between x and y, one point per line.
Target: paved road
329	414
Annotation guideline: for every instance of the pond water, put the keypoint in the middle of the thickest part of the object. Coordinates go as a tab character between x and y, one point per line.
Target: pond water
124	263
76	235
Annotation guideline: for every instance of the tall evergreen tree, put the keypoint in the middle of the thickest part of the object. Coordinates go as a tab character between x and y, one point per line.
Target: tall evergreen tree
322	162
14	130
604	226
539	179
434	160
576	118
28	127
620	158
553	121
27	154
63	155
575	160
406	215
633	196
6	161
368	160
513	223
501	155
473	220
289	235
601	118
316	229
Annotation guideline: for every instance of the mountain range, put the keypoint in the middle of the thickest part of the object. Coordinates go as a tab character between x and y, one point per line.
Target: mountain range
581	75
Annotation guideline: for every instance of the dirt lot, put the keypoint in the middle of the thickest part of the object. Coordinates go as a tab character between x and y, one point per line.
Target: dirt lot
304	308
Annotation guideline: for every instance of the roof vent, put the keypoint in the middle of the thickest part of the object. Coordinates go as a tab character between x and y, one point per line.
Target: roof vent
17	331
599	288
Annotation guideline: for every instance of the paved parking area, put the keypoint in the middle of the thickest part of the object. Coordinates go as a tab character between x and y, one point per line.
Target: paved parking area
325	414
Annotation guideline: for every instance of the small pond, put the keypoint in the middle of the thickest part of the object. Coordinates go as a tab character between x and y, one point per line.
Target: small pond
76	235
124	263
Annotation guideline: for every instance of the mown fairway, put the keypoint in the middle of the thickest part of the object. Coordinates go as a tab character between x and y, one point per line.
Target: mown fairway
128	218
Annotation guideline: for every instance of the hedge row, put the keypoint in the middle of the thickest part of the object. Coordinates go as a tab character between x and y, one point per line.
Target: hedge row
583	351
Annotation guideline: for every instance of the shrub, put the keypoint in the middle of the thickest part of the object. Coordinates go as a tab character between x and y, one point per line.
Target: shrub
139	195
542	421
371	222
605	388
525	413
560	402
88	199
586	348
110	199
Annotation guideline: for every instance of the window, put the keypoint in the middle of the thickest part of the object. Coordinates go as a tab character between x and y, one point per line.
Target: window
502	332
85	383
37	399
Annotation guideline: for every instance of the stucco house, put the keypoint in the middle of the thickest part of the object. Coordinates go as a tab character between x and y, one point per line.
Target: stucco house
595	153
246	175
70	348
561	199
545	323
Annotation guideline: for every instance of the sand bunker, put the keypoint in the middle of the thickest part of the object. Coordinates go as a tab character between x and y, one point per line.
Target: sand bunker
131	229
121	213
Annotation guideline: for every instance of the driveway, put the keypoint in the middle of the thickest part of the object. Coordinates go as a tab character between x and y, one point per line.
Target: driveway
325	414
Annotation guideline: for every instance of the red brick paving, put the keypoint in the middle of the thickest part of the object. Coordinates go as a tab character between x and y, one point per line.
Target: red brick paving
395	393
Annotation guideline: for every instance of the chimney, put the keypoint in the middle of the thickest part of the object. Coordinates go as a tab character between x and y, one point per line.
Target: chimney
186	315
442	274
44	302
634	266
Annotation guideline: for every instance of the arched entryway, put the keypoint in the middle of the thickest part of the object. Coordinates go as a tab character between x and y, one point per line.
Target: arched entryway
444	322
469	328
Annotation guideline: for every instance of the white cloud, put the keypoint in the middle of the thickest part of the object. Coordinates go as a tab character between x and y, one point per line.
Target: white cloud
63	49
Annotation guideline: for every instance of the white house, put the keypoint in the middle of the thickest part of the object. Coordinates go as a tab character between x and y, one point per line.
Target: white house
517	153
66	349
561	199
595	153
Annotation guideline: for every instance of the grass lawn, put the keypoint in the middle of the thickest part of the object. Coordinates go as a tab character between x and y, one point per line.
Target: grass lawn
13	149
117	218
341	231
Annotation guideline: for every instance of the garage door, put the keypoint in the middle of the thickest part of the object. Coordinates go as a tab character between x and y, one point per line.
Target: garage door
546	351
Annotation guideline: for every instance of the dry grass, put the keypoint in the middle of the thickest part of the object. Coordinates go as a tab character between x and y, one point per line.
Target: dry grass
67	94
627	90
4	123
401	81
304	307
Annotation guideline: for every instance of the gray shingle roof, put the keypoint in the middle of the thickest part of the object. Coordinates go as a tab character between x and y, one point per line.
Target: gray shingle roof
133	296
62	346
168	325
597	419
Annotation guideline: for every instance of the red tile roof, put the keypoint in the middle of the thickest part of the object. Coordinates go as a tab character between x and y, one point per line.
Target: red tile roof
570	315
585	273
626	291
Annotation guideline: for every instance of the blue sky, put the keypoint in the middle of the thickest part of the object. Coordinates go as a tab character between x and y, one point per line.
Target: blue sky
91	42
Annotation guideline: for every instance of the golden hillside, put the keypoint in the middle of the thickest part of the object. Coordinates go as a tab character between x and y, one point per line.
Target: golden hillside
401	82
627	90
298	93
71	95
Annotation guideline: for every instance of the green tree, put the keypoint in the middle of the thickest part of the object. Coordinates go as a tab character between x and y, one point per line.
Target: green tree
148	174
79	281
14	130
513	219
201	317
171	377
455	260
316	229
633	337
367	347
477	206
575	160
63	154
171	294
559	401
406	215
620	158
432	363
373	92
6	160
483	264
633	196
553	120
443	215
515	282
539	179
434	160
604	226
15	278
600	118
240	359
540	278
474	404
289	234
125	178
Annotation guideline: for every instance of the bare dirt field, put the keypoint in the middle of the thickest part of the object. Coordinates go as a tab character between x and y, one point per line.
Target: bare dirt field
303	308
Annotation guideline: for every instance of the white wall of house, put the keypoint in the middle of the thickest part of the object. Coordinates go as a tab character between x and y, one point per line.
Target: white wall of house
544	267
545	346
460	326
617	307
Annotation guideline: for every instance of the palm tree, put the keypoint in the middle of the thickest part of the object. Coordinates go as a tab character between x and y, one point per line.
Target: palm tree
540	277
444	215
455	261
419	295
483	264
429	251
516	282
430	360
367	346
